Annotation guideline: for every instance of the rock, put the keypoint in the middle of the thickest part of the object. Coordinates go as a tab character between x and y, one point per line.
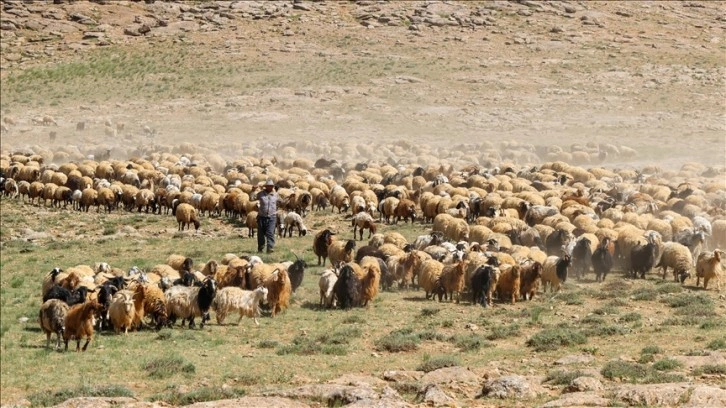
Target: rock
14	57
432	395
83	19
575	359
510	386
402	376
706	396
691	362
585	383
578	399
359	381
652	394
251	402
330	394
451	376
35	25
301	6
133	30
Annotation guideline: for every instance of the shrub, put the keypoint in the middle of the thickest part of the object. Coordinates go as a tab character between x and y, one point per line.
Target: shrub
503	332
552	339
168	366
608	330
431	364
666	364
631	317
265	344
718	344
562	377
429	311
47	399
606	310
710	369
651	350
398	340
353	319
203	394
645	294
471	342
623	370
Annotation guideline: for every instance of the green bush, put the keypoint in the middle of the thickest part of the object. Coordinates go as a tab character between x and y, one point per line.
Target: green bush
431	364
562	377
503	332
470	342
203	394
631	317
552	339
667	364
710	369
47	399
718	344
168	366
398	340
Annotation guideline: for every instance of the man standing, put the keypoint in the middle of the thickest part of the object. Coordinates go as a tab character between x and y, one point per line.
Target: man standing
266	217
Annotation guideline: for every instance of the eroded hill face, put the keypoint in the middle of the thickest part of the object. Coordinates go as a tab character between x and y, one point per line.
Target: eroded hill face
244	77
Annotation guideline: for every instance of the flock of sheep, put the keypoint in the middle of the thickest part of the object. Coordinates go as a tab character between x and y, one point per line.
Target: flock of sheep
506	231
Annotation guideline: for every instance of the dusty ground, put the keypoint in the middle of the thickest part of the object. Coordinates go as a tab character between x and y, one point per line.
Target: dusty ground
645	75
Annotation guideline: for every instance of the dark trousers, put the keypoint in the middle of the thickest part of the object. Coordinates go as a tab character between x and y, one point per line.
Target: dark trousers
265	229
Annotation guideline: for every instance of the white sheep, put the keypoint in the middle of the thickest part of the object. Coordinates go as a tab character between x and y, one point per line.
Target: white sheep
190	302
245	302
292	220
678	257
326	283
708	266
554	272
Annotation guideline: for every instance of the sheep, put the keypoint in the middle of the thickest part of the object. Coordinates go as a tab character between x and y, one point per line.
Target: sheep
279	290
602	259
537	213
339	199
708	266
412	265
428	278
321	242
190	302
348	287
554	271
368	250
395	238
326	283
370	277
186	215
509	283
404	210
693	239
79	323
361	221
233	299
530	279
296	272
122	311
387	208
452	280
483	284
678	257
180	262
292	220
154	304
52	320
341	252
422	241
251	223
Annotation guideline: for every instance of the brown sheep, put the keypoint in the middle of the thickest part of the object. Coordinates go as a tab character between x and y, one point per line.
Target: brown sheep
530	280
321	242
452	280
186	214
708	266
279	290
52	319
341	252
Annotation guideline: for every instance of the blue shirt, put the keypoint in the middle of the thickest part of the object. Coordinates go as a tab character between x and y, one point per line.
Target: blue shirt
268	203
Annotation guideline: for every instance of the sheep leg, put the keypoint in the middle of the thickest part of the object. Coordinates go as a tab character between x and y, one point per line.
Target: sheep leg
705	283
47	340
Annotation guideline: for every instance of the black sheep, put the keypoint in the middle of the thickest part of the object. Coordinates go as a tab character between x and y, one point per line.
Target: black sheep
581	257
347	288
320	244
71	298
369	250
556	240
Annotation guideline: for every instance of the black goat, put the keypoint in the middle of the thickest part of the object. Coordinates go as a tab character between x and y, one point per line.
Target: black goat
602	260
71	298
347	288
643	258
320	244
481	285
296	272
369	250
581	257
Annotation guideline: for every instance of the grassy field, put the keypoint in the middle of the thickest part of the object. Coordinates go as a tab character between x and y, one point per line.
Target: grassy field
399	331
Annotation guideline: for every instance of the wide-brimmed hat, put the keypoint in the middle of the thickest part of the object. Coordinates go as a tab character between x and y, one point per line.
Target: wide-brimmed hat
269	182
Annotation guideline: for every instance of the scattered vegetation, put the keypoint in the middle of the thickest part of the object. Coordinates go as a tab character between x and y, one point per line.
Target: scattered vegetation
168	366
553	338
563	377
434	363
47	399
177	398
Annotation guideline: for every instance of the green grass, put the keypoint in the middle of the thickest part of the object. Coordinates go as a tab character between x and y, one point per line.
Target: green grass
717	344
712	369
398	341
667	364
503	332
637	373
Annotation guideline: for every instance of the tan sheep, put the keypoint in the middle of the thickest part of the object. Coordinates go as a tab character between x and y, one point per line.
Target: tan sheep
341	252
370	277
122	311
428	278
708	267
679	258
186	215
